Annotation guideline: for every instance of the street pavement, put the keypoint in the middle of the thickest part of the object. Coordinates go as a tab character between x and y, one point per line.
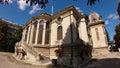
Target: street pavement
101	60
105	60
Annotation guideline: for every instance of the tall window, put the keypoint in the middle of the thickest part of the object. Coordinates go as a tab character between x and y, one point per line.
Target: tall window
47	32
26	33
59	33
40	32
97	33
34	31
47	25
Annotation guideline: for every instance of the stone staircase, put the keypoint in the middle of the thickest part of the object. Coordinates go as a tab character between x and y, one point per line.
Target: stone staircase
30	50
37	55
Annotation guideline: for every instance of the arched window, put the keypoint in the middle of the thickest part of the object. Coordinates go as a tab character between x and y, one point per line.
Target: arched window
59	33
34	31
59	20
47	25
41	24
47	33
97	33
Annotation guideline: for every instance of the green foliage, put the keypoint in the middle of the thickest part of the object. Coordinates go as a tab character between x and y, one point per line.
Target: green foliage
92	2
118	8
42	3
117	36
12	39
3	34
9	38
3	27
4	1
18	35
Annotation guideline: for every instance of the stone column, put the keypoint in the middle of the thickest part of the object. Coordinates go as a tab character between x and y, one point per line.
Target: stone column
23	35
31	33
28	33
43	37
25	39
37	31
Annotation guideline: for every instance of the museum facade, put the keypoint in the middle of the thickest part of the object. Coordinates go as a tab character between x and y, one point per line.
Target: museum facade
67	36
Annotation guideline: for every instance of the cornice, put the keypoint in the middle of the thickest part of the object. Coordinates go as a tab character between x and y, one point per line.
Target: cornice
68	9
49	17
96	23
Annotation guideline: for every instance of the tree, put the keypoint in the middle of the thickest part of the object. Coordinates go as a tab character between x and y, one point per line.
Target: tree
18	35
3	32
118	9
4	1
117	36
9	36
43	3
92	2
108	37
12	39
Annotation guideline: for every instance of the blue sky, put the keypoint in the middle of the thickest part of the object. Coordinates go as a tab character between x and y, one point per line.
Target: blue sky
19	12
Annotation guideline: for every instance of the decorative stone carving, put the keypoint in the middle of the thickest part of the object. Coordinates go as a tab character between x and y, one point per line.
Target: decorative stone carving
94	17
59	20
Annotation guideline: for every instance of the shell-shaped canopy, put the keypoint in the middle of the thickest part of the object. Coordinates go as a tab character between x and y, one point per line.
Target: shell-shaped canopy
94	17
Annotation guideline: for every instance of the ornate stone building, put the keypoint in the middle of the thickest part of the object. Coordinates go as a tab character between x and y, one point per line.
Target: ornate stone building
67	36
97	31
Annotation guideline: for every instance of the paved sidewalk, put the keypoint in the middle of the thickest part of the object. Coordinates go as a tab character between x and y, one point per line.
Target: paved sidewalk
105	60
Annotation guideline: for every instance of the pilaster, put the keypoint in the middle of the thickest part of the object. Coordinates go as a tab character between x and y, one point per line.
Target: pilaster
23	35
31	33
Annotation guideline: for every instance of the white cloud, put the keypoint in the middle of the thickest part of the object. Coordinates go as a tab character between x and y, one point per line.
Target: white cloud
107	22
10	1
22	4
113	16
34	9
79	10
